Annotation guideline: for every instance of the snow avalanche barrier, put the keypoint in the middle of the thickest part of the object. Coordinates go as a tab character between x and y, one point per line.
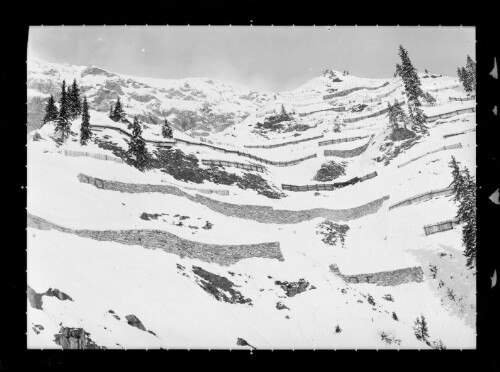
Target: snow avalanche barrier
259	213
157	239
383	278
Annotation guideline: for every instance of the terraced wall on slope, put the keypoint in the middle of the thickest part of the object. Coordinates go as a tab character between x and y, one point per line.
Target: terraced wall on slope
168	242
262	214
383	278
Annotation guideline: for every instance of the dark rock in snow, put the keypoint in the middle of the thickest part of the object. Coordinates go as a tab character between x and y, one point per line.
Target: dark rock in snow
242	342
293	288
218	286
135	322
75	338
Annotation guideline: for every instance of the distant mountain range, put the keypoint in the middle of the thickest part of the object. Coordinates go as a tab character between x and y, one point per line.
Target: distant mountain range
191	104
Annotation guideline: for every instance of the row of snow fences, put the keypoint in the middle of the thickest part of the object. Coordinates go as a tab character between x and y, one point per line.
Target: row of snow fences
335	109
205	191
239	153
348	91
162	143
461	99
358	118
328	186
438	89
440	226
201	139
423	197
340	140
451	147
379	96
283	144
459	133
265	112
91	155
450	114
350	152
224	163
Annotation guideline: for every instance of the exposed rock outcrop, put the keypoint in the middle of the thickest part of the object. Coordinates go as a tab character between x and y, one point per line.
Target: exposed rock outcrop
219	286
75	338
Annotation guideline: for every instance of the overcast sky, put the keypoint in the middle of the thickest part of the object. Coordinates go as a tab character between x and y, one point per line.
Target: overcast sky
267	58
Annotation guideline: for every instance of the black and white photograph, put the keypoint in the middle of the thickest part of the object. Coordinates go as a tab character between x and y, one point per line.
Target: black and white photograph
251	187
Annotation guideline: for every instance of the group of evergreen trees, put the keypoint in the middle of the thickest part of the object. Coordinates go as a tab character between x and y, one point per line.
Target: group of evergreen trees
396	114
137	146
345	73
464	188
117	113
166	130
413	89
467	75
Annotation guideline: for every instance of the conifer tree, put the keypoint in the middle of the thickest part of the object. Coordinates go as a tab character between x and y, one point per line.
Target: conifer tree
283	112
421	330
471	73
85	132
51	111
64	101
166	130
413	89
464	189
409	75
118	113
460	75
62	123
137	147
75	104
111	112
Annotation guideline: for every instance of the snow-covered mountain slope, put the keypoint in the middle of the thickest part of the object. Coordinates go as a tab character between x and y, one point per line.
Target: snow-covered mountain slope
202	104
130	285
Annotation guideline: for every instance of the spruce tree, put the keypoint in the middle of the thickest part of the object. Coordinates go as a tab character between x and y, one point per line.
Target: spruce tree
64	101
460	75
62	121
111	112
85	132
51	111
464	189
421	330
137	147
166	130
283	112
471	73
466	80
75	104
118	113
413	89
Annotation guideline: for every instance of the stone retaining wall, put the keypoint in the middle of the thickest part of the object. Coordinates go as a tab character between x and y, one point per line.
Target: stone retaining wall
384	278
168	242
262	214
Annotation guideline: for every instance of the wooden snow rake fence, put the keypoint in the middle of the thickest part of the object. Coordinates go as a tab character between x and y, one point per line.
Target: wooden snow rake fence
423	197
454	146
328	186
283	143
74	153
440	226
225	163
